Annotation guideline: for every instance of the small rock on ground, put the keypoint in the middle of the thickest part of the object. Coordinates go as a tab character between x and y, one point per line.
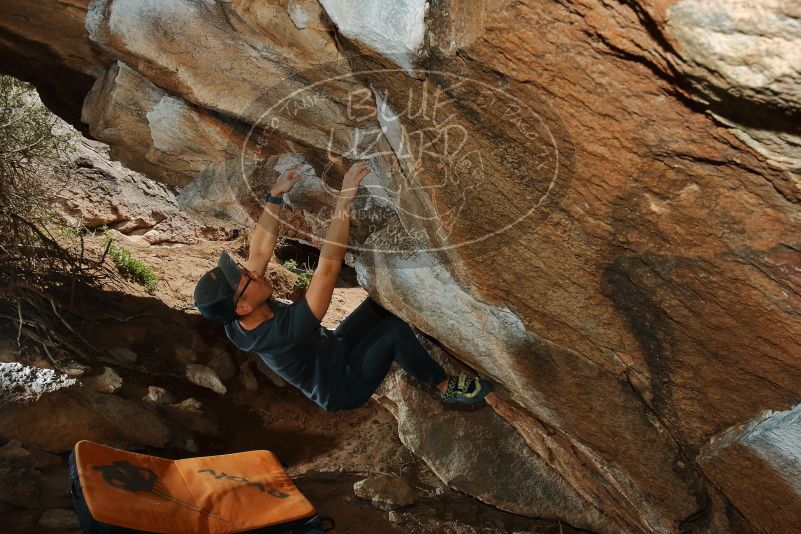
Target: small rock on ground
200	375
386	492
106	382
158	395
189	404
75	369
185	354
123	354
223	364
247	378
270	374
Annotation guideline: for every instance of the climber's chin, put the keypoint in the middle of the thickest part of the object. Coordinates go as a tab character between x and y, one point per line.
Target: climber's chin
254	293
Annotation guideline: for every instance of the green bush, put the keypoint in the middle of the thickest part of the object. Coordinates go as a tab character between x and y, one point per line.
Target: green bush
304	278
304	273
135	269
30	152
66	230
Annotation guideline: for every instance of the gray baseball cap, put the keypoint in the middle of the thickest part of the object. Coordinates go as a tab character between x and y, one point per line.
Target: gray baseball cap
214	292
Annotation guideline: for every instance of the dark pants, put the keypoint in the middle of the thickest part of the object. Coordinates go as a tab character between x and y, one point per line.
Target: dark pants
373	339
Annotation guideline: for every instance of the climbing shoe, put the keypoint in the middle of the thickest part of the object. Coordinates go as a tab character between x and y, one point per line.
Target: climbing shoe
465	390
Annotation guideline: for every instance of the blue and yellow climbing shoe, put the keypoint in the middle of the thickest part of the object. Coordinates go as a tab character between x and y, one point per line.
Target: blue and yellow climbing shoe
465	390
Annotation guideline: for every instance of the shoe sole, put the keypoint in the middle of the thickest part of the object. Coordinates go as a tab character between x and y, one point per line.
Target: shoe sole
467	406
460	407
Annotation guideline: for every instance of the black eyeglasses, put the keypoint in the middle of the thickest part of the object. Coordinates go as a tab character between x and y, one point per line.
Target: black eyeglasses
245	272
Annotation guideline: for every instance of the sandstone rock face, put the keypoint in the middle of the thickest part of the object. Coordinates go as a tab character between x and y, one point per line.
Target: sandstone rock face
594	204
52	46
98	193
396	30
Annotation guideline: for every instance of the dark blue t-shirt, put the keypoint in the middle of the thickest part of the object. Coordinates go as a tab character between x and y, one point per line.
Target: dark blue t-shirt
299	350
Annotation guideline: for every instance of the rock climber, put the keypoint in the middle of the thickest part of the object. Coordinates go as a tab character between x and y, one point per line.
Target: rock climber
337	369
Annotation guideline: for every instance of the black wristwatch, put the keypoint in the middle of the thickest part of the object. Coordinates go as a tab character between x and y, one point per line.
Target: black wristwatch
275	200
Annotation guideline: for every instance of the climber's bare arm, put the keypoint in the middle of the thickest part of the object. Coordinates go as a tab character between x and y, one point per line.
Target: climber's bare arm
265	234
336	243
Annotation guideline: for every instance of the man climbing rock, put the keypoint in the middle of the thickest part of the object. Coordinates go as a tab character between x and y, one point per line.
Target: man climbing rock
337	369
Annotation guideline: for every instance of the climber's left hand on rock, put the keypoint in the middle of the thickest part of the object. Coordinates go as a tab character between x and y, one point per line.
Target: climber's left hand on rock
353	178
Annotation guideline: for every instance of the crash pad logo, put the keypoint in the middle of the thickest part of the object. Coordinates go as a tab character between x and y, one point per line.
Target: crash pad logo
126	476
459	158
242	480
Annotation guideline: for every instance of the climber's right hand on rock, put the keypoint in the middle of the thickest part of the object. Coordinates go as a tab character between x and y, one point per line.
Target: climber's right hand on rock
353	178
288	178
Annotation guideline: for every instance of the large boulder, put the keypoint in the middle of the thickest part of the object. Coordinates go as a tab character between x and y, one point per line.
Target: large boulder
594	204
768	450
47	410
480	454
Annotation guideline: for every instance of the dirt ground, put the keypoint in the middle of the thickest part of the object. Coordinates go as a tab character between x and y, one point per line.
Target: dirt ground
326	453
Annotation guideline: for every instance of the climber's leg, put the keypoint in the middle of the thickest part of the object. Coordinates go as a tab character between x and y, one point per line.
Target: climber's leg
371	358
359	322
